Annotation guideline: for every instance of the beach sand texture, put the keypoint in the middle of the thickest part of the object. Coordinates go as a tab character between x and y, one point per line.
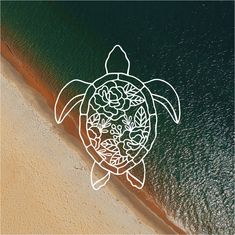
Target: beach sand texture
45	186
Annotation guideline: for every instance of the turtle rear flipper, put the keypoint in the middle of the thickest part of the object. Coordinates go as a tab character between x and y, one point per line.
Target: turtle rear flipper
136	175
99	176
165	94
64	105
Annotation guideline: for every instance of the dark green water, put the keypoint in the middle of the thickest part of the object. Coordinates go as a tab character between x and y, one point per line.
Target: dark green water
189	44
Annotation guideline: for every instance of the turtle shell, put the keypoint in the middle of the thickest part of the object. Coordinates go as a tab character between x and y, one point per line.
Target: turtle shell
117	121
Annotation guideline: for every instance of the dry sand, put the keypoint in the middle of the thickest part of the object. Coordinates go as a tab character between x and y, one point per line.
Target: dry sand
45	185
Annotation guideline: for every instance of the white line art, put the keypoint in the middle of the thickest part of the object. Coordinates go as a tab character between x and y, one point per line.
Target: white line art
118	121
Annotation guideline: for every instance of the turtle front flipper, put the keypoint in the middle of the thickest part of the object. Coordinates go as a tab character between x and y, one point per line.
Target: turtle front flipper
99	176
65	102
165	94
136	175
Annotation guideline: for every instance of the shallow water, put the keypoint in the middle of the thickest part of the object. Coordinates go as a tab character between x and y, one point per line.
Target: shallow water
190	168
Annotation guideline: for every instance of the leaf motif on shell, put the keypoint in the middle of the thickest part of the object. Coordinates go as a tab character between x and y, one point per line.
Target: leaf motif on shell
136	100
140	117
103	153
130	90
110	145
94	119
117	159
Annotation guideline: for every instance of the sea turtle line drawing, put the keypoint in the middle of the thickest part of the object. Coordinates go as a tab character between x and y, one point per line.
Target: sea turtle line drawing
118	120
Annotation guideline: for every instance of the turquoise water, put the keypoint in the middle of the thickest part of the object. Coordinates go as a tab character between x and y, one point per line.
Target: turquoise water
189	44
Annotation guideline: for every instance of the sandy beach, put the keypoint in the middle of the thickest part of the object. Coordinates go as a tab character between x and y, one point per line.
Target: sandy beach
45	184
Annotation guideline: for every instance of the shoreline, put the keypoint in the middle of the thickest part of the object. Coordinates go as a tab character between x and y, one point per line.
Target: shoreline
151	210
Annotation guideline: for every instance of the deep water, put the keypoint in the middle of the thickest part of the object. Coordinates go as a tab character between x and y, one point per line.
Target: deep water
189	44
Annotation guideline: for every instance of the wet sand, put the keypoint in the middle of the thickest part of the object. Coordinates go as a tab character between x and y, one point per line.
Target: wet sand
118	195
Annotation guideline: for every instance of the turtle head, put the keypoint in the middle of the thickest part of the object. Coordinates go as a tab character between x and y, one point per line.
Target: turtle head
117	61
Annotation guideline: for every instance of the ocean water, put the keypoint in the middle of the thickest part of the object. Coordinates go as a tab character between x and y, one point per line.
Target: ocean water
189	44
